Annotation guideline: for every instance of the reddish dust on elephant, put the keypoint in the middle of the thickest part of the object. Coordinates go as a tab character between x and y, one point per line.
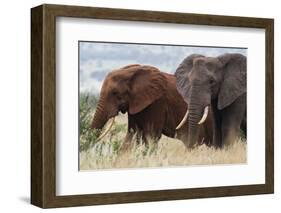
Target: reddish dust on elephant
152	102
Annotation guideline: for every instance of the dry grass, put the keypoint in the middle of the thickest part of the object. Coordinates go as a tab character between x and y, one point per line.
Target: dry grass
166	153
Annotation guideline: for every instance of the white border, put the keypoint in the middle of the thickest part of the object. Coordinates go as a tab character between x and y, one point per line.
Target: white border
70	181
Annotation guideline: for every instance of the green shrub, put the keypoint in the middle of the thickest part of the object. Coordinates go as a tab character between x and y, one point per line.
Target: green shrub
88	136
87	106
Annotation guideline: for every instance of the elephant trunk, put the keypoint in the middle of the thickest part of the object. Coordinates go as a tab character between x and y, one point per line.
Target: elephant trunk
193	126
198	112
100	117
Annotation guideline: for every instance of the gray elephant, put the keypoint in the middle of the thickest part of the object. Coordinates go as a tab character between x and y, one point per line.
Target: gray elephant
218	83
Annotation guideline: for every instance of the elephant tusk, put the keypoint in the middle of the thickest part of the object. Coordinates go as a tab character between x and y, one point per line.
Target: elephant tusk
107	130
206	110
183	120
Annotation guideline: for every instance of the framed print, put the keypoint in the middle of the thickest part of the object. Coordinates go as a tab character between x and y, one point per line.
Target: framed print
136	106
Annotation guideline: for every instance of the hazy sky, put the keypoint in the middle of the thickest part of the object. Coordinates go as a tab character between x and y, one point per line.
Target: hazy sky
98	59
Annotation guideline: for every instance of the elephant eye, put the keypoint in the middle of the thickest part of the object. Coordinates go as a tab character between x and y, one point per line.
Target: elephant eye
210	66
212	81
126	93
114	92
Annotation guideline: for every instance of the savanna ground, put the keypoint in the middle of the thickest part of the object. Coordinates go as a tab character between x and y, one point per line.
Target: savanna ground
106	153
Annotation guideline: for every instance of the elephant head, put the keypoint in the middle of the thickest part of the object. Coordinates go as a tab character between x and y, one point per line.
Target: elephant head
203	81
129	89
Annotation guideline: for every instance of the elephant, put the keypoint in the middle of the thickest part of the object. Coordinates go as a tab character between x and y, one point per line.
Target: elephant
151	100
218	83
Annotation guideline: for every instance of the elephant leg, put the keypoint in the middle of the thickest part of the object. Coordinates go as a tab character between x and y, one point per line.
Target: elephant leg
151	121
206	136
151	133
232	119
217	123
229	133
137	128
243	126
131	133
206	130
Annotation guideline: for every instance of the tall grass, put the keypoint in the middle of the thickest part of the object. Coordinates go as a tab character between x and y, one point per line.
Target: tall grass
107	153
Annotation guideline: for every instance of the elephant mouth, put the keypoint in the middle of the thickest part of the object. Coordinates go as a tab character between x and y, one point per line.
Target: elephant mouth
104	133
202	120
124	108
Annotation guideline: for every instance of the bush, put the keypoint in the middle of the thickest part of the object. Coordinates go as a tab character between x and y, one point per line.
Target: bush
87	107
88	136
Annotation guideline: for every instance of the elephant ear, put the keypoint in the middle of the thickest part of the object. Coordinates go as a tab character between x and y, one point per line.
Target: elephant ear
147	84
181	74
234	68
